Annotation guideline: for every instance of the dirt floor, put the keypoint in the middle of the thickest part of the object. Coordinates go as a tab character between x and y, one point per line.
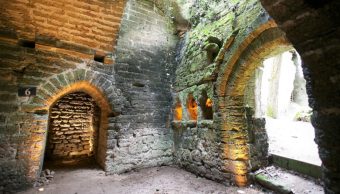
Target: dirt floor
87	178
292	139
158	180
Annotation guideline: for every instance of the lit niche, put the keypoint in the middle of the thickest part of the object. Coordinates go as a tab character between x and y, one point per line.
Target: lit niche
178	112
206	105
192	107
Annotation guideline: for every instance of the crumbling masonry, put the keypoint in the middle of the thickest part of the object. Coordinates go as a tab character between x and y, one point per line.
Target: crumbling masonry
162	83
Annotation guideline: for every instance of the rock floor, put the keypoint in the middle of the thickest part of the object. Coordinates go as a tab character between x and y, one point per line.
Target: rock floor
158	180
291	181
162	180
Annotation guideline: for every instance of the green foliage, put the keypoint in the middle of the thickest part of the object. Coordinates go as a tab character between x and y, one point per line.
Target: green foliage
270	112
304	115
206	11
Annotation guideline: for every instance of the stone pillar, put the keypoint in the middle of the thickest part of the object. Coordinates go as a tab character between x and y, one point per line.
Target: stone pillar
272	105
299	93
259	108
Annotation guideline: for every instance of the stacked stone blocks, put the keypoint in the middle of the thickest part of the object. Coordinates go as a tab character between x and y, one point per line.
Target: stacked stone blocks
73	128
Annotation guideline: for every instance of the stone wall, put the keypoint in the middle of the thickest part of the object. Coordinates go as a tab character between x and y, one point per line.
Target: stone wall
71	46
258	140
64	24
50	63
215	35
130	82
73	128
197	149
141	135
256	123
24	120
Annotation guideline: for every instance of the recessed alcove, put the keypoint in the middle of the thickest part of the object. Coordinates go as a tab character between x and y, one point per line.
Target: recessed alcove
73	129
192	107
206	105
178	111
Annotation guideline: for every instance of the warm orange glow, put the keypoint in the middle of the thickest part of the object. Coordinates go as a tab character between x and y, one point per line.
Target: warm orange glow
241	180
178	114
38	137
82	86
91	141
209	103
236	152
192	108
64	51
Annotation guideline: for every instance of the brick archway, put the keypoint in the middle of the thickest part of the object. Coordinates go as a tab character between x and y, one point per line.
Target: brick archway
81	86
231	84
98	86
105	111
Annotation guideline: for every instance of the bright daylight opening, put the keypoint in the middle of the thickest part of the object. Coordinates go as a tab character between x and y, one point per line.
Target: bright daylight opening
284	103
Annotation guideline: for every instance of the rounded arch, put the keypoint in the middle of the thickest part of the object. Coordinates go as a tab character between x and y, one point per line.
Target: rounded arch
178	110
270	42
105	111
99	86
83	79
81	86
313	29
265	41
227	68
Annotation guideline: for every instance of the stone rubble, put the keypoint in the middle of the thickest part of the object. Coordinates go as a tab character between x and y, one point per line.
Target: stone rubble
46	177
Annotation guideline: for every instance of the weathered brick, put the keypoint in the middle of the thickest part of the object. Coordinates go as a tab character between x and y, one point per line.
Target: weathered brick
62	80
2	119
8	108
43	94
79	74
68	111
8	97
55	82
70	77
49	88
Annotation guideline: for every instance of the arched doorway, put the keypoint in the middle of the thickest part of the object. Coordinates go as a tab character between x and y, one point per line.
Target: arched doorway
306	26
278	91
74	123
93	97
245	146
